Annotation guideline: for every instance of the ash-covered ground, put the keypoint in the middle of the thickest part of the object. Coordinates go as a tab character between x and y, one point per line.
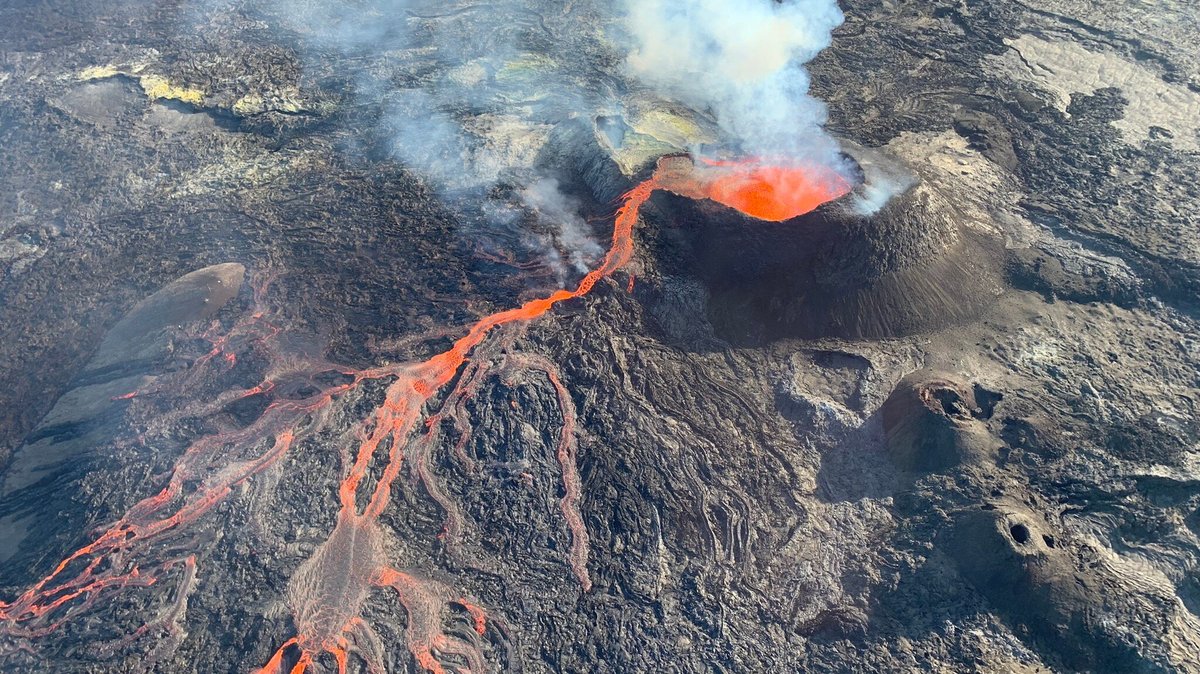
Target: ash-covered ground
946	424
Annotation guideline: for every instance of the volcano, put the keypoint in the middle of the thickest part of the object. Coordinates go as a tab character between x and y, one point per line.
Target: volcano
315	360
328	592
806	252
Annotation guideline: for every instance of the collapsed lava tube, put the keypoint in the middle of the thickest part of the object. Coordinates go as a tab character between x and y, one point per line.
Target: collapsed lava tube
327	593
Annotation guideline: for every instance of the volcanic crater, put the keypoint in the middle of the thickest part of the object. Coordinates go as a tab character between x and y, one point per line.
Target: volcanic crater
889	258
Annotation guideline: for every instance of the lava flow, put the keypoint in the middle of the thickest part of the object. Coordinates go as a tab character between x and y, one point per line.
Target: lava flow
327	593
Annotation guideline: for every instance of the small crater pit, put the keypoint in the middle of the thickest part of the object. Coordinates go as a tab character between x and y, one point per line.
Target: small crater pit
950	401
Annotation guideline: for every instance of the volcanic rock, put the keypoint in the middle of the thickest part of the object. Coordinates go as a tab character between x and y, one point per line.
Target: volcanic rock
932	423
890	259
606	154
128	359
746	508
1020	566
192	297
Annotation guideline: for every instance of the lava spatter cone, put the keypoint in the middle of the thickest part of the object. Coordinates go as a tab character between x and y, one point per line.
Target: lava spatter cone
880	255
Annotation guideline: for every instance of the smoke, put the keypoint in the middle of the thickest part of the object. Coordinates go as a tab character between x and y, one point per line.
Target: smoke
520	66
437	77
883	178
875	194
465	96
743	62
562	212
344	25
468	95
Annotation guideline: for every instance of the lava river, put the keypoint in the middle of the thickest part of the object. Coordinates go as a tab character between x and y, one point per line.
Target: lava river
327	593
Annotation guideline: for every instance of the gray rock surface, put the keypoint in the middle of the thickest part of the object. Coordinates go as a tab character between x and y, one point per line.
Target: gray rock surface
771	478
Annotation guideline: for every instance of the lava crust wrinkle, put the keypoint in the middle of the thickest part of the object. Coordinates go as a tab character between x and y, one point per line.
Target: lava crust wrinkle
327	593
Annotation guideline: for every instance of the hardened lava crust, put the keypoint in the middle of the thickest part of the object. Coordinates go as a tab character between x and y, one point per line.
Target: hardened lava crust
894	257
946	422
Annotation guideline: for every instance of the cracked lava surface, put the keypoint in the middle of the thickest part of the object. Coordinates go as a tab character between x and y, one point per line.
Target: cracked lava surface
327	593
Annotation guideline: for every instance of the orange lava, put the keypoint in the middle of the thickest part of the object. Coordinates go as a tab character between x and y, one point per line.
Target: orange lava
327	593
777	193
774	192
327	612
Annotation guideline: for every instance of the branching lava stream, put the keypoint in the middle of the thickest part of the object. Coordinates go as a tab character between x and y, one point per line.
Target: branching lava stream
327	593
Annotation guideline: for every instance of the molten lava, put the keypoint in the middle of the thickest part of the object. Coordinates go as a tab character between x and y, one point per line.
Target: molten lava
777	193
328	591
774	192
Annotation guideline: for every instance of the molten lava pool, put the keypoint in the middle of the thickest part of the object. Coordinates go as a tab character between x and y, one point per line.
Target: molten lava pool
777	193
774	192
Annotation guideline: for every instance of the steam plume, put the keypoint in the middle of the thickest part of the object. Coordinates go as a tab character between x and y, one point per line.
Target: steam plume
562	211
743	62
467	95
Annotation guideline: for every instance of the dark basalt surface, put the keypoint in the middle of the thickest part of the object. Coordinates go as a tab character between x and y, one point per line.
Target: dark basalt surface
850	269
958	434
931	423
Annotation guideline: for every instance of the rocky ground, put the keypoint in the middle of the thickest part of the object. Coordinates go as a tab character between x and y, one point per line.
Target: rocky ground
958	435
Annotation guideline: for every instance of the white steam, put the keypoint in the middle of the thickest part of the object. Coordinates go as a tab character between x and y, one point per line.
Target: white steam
470	95
562	213
877	192
882	179
743	62
465	97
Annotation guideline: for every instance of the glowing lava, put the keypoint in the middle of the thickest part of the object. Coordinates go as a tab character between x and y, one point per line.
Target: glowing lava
777	193
328	623
327	593
774	192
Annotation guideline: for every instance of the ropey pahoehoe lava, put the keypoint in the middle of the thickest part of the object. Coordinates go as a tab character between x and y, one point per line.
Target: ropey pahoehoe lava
326	594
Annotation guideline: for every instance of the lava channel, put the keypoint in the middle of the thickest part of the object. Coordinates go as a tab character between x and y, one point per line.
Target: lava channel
327	593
